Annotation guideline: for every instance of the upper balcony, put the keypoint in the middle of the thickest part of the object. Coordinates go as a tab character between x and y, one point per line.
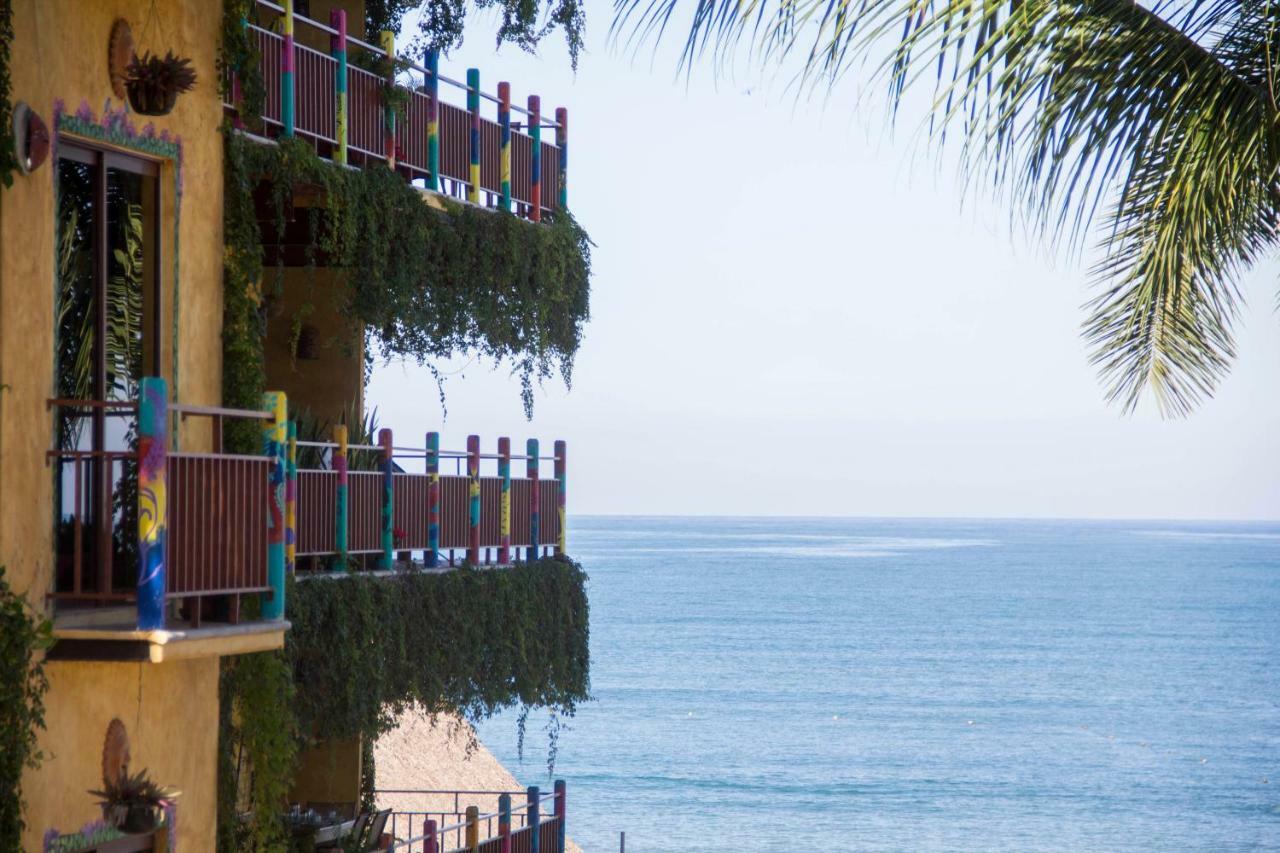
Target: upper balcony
399	116
192	536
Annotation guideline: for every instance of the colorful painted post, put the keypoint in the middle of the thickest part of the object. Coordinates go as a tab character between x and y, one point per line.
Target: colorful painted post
504	823
473	502
433	120
562	485
504	147
340	510
531	467
504	501
153	500
388	112
287	88
274	437
560	813
473	107
562	142
338	49
433	499
535	801
388	500
535	165
291	501
473	829
432	844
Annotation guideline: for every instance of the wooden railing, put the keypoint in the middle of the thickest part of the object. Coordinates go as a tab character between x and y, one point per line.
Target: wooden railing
391	512
341	108
536	825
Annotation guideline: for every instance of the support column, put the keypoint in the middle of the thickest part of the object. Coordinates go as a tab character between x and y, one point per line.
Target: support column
433	120
473	107
153	501
561	496
433	500
432	844
531	468
340	509
504	823
388	501
560	813
504	147
291	501
389	114
288	111
535	165
338	50
473	829
473	502
504	501
274	437
562	142
535	802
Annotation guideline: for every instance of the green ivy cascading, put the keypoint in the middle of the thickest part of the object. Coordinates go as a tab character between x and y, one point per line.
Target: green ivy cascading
22	688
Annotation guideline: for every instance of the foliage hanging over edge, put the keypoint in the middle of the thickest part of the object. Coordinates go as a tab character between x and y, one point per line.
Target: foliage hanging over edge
432	283
23	635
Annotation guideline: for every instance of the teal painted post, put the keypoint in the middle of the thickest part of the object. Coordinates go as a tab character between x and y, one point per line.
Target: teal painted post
433	499
504	501
535	161
338	50
531	467
535	801
433	120
504	144
340	510
389	47
287	87
473	107
560	813
274	439
388	501
473	501
562	142
153	501
504	823
562	485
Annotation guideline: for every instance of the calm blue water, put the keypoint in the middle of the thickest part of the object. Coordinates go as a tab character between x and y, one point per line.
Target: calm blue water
924	685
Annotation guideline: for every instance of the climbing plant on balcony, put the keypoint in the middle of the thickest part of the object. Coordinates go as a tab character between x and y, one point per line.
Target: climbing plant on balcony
23	635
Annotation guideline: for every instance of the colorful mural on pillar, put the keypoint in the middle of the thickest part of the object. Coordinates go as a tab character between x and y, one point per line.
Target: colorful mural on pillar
433	499
274	438
531	451
153	431
504	501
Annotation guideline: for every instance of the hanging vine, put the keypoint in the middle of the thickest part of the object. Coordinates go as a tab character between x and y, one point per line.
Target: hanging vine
23	636
8	161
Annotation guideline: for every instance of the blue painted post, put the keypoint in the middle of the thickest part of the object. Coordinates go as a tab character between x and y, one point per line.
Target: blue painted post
534	800
560	814
473	500
504	823
433	120
274	438
504	144
287	88
562	142
388	501
531	467
153	500
433	499
473	107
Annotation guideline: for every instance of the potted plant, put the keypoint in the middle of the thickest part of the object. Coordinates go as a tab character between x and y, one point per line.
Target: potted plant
154	83
132	803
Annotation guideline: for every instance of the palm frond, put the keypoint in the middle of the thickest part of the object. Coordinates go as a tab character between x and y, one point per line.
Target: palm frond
1162	117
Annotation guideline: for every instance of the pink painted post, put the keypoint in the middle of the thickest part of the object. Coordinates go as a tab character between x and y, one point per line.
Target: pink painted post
504	822
535	162
432	844
562	487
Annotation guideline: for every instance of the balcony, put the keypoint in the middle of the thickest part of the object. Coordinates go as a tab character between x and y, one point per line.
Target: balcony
340	107
195	537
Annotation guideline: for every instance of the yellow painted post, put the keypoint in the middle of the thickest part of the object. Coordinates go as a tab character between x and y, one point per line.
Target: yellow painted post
473	829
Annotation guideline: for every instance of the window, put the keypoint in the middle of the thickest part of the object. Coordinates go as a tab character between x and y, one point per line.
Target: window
107	327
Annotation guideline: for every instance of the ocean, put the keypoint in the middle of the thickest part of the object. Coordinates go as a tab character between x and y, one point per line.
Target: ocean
910	684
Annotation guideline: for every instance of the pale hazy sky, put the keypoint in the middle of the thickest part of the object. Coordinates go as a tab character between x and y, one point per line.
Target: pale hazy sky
793	312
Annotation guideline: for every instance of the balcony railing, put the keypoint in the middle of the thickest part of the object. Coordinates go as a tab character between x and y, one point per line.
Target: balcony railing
151	525
535	824
341	108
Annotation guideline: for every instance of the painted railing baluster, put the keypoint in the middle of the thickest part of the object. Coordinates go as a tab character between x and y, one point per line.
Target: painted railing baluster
504	822
473	829
535	802
288	116
433	500
561	812
535	163
531	469
561	487
153	501
338	49
562	142
473	500
388	500
433	120
504	501
473	107
388	108
504	143
291	500
341	512
274	437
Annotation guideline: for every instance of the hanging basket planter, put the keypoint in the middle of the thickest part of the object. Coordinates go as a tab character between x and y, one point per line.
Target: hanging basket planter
153	83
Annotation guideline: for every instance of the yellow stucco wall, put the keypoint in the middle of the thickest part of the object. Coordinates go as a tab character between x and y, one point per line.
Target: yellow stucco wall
171	713
328	776
59	53
331	384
